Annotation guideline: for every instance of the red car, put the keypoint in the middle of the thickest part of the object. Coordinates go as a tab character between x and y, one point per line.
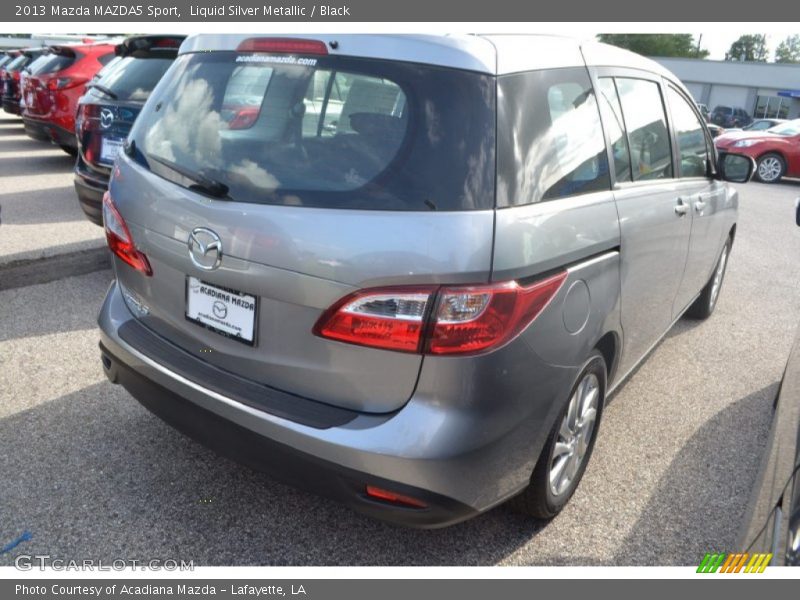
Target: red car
776	151
51	92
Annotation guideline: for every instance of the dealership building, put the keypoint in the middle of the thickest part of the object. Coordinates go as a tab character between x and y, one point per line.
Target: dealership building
762	89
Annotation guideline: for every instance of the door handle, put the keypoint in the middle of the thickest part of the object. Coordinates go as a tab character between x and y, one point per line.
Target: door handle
681	208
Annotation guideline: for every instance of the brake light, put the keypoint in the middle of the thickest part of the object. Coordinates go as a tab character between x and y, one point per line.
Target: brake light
15	75
119	238
283	46
244	118
394	498
391	318
63	83
166	43
445	321
477	318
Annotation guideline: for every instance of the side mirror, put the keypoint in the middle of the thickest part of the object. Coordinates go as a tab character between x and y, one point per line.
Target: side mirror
736	168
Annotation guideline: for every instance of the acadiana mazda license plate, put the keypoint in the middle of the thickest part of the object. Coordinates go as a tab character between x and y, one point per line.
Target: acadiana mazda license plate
109	148
225	311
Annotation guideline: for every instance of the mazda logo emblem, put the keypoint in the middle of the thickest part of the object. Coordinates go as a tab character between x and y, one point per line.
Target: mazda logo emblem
106	118
220	310
205	248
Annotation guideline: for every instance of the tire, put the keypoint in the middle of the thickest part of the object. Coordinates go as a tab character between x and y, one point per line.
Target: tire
707	300
69	150
770	168
547	493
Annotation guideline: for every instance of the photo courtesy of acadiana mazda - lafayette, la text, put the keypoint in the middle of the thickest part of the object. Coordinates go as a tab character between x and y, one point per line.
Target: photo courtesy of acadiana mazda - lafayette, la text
406	272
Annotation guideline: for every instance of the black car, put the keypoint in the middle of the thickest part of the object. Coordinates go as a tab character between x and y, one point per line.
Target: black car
772	525
108	109
727	116
11	89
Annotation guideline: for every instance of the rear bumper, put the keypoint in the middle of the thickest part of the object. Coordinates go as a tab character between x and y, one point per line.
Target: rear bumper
90	198
36	129
46	131
281	461
11	106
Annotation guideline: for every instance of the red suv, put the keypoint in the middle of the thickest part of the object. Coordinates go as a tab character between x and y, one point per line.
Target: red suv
51	94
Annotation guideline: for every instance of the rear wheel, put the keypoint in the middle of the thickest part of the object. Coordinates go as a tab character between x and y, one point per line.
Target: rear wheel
770	168
568	448
69	150
707	300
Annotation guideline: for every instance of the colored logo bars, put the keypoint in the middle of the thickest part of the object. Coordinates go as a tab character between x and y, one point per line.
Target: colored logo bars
734	563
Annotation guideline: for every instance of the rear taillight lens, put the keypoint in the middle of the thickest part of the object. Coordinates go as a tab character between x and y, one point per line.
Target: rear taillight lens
478	318
283	46
391	318
119	238
445	321
65	83
244	118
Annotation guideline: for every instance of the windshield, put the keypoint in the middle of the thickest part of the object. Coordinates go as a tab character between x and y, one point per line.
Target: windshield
134	78
325	131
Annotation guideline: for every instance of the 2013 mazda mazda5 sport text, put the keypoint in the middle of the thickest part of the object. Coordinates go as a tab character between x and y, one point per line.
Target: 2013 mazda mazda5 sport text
406	271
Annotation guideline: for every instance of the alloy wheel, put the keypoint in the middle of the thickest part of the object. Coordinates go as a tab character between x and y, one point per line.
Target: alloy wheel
575	434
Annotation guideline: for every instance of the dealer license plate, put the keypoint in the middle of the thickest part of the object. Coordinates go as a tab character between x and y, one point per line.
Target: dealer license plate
225	311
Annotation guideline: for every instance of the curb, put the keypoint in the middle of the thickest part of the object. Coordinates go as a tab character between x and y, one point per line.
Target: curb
32	271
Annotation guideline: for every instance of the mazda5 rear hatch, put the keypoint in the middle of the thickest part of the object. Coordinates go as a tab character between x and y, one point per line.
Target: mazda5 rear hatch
265	184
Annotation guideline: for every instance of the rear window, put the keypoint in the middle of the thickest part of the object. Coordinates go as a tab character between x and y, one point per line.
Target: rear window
723	109
325	131
133	79
50	63
18	63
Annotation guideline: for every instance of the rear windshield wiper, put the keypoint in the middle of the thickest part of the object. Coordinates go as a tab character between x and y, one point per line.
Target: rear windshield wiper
202	183
101	88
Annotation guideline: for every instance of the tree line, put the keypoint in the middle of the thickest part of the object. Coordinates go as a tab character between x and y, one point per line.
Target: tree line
750	47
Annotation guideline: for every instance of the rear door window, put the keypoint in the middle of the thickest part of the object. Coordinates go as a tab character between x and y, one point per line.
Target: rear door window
550	140
646	121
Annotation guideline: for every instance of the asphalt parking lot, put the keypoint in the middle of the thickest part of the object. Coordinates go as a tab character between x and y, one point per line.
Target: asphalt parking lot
91	474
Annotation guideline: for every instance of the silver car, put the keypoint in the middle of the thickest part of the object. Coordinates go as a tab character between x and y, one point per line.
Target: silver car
408	271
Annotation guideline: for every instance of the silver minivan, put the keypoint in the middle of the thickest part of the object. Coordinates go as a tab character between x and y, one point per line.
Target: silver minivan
406	272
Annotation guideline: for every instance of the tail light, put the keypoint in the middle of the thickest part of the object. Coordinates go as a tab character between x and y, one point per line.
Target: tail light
283	46
391	318
444	321
15	75
119	238
64	83
244	117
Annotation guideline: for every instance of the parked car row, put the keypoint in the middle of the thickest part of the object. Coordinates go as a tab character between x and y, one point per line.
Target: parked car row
84	98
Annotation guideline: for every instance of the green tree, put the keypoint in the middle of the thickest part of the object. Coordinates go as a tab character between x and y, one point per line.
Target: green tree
788	51
752	47
656	44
